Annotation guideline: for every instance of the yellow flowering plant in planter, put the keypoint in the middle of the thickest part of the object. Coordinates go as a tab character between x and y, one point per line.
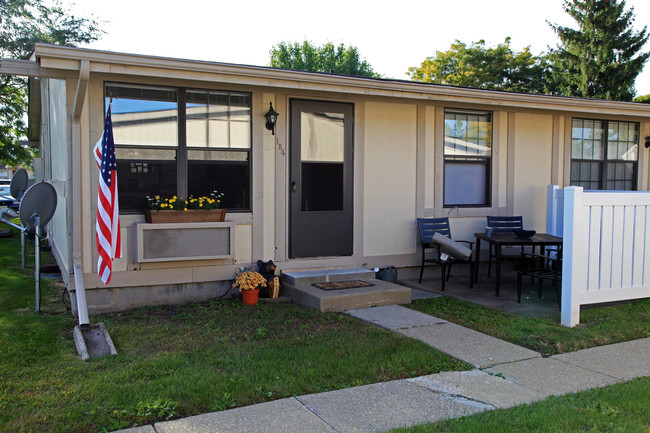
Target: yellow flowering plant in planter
178	209
249	281
213	201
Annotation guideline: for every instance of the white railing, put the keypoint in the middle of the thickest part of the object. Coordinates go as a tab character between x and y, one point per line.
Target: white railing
606	247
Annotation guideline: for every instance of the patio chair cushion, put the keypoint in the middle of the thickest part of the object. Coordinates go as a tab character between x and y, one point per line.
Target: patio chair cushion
451	247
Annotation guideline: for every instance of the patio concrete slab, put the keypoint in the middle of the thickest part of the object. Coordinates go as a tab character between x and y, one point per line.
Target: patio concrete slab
625	361
286	415
394	317
471	346
383	406
422	294
552	377
480	386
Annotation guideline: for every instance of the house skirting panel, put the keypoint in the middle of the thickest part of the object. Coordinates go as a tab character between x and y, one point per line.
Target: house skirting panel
110	300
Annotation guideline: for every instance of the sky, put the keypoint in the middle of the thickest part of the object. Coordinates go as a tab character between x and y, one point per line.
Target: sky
391	36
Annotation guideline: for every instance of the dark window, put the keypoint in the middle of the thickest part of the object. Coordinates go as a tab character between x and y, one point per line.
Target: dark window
175	141
604	154
468	158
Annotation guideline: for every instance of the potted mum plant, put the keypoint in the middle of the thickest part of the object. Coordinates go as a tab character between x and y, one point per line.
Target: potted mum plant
249	284
177	209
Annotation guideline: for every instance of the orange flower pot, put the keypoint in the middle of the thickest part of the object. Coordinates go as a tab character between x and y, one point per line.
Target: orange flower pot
250	297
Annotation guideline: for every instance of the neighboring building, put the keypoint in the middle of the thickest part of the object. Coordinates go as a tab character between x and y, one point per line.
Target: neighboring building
352	163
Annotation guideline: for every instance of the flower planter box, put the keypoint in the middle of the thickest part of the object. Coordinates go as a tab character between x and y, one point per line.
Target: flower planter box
186	216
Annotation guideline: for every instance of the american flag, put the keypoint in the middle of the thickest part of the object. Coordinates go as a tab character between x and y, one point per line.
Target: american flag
107	228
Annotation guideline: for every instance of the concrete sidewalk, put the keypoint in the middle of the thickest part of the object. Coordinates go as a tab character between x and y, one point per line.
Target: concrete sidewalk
523	377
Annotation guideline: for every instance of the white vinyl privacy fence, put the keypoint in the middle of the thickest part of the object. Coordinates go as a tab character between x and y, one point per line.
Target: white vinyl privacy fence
606	246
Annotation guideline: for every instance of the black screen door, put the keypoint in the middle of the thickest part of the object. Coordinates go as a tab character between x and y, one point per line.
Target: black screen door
320	182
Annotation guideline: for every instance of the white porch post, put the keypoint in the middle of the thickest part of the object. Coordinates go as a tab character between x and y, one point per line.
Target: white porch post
574	264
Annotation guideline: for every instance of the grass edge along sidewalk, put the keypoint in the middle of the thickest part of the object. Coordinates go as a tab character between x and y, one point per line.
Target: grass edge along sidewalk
617	408
599	326
178	361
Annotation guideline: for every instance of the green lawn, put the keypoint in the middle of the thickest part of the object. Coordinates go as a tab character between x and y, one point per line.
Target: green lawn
181	360
178	361
598	326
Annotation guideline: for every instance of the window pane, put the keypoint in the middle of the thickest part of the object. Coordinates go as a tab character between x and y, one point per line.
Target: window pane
218	119
322	138
622	144
586	174
322	155
146	116
466	183
139	179
587	139
230	177
468	134
322	186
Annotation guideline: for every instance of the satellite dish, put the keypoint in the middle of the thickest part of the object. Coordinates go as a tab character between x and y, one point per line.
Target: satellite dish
39	202
18	184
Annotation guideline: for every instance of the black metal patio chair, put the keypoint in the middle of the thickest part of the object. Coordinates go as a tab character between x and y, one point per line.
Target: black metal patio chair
435	234
543	268
502	224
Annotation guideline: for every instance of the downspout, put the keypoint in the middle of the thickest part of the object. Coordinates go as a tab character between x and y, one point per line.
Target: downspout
76	179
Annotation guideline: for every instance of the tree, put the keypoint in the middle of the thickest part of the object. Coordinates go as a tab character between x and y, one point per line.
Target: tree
22	24
326	58
602	57
645	99
498	68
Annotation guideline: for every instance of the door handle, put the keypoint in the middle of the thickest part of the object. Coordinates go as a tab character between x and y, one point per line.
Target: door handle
293	186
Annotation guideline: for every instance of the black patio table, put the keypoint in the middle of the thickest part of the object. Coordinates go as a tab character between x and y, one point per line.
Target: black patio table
499	240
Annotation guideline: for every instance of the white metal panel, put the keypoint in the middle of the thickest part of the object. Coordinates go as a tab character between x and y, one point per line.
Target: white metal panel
616	263
639	251
593	246
627	258
606	247
185	241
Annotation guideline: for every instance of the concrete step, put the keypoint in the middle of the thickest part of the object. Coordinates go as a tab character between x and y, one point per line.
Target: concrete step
381	293
311	276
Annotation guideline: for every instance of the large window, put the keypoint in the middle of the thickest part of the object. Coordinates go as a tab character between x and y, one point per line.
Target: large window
176	141
604	154
468	157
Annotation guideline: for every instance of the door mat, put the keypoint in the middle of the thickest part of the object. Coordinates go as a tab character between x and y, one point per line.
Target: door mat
339	285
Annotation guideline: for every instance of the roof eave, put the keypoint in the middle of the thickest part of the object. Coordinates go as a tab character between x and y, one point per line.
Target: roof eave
59	57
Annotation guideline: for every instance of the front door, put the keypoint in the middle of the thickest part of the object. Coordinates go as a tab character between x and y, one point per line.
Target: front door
321	179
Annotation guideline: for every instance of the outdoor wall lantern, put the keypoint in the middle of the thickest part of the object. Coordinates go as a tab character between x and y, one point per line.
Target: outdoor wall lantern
271	118
647	142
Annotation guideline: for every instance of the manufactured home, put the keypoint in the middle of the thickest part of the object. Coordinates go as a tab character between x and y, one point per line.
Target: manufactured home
339	180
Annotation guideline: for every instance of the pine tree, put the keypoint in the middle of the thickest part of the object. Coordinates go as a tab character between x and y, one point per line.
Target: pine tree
602	58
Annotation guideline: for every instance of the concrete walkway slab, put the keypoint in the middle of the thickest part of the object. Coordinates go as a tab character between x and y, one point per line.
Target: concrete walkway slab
143	429
625	361
287	415
471	346
552	377
394	317
384	406
480	386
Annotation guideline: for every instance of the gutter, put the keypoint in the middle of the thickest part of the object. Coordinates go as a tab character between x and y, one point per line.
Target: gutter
76	223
